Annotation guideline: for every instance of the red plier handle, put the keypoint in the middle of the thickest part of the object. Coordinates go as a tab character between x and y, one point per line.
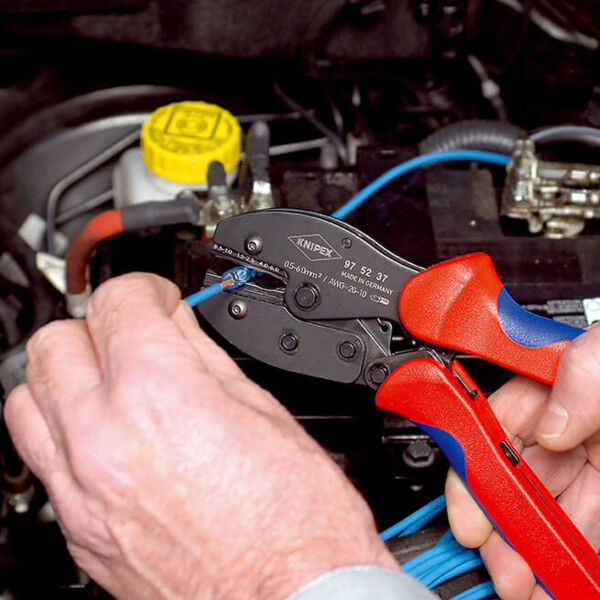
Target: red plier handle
462	304
508	491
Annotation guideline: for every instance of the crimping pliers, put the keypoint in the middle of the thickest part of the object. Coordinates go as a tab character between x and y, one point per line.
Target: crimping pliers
330	312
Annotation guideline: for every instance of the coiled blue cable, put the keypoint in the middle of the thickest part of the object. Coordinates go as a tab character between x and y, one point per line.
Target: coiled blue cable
381	181
447	559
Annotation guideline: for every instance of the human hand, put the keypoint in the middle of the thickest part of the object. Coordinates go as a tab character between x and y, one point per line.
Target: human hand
557	431
172	474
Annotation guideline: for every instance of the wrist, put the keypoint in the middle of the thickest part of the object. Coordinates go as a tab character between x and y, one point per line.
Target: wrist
289	570
363	581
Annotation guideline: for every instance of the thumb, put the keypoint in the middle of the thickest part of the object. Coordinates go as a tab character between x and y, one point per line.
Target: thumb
573	412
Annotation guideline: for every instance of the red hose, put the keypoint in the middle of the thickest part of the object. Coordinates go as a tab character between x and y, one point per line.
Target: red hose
101	227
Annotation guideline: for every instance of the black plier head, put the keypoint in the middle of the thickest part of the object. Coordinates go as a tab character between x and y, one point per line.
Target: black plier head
332	312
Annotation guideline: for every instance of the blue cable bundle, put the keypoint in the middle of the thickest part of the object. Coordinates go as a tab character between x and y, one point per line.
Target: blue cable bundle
416	521
447	559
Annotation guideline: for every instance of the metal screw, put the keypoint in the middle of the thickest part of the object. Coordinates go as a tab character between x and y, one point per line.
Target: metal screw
253	245
346	243
377	374
288	342
419	454
306	296
347	350
238	309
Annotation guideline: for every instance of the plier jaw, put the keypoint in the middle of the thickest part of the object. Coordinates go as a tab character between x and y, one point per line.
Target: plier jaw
331	306
258	322
329	269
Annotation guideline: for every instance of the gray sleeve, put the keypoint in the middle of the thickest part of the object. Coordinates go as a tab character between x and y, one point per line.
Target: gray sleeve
363	583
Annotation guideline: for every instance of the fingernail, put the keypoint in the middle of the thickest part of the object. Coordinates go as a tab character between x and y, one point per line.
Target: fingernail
554	421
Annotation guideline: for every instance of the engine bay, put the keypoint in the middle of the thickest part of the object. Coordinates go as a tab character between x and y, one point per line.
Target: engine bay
324	98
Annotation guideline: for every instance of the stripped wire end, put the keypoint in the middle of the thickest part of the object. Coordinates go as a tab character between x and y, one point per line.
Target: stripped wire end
239	276
230	280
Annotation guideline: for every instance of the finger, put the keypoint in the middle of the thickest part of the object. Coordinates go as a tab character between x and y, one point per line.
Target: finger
581	501
33	440
62	371
129	319
30	434
511	576
540	594
518	404
220	364
469	524
557	470
216	360
573	411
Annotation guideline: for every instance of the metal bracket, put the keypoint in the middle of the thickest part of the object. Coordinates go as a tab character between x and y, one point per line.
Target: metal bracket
555	198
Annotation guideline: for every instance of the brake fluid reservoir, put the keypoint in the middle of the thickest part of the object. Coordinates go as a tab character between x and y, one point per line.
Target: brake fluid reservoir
177	144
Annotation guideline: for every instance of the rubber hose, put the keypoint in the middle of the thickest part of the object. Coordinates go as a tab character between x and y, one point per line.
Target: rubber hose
567	134
491	136
158	212
101	227
45	299
116	221
258	142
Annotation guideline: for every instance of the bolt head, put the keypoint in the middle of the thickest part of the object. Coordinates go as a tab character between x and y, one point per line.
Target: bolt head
378	373
347	350
288	342
253	245
306	296
419	450
419	454
238	309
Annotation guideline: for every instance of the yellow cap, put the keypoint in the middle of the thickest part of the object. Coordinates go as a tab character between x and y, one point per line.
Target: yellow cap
180	140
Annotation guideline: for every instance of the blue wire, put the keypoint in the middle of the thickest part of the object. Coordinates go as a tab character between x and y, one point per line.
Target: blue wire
453	567
416	565
478	592
428	563
420	523
393	173
426	512
466	565
411	165
446	537
204	294
239	276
